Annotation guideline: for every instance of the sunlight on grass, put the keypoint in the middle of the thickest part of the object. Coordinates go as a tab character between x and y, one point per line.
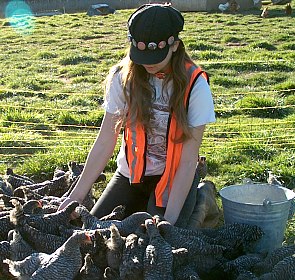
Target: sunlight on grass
52	87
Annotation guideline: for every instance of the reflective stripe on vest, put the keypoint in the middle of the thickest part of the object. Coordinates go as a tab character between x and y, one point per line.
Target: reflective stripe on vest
135	139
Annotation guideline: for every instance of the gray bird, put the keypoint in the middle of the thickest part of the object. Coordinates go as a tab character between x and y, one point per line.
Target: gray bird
237	237
158	258
195	244
241	264
186	272
5	188
20	249
32	206
90	221
49	223
115	245
171	231
7	200
283	270
5	226
131	267
16	180
40	241
5	250
272	179
278	254
125	227
63	264
118	213
89	271
55	187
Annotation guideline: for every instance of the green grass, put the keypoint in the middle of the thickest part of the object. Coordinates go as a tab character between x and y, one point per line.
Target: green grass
51	91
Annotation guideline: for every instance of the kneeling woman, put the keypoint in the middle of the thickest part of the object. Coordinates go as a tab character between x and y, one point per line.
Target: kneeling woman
163	102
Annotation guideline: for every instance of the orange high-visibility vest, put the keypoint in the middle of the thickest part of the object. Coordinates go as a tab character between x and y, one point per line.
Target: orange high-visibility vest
135	139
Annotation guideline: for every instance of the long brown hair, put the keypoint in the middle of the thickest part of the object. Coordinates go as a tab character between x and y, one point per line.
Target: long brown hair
136	82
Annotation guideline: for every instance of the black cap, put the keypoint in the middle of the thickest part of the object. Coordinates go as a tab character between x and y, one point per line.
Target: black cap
153	28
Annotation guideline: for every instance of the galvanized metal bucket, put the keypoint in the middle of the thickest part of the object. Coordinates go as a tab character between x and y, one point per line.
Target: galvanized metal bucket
264	205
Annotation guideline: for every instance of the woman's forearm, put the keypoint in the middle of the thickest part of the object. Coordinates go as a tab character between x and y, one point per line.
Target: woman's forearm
94	165
180	189
97	158
184	175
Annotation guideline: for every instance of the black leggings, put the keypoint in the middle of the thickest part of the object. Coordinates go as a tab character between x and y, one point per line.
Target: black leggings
136	198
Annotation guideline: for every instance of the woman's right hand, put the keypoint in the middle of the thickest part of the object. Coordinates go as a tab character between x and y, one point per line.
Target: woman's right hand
64	204
102	149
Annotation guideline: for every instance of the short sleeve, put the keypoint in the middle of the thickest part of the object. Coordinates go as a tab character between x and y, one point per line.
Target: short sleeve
115	102
201	106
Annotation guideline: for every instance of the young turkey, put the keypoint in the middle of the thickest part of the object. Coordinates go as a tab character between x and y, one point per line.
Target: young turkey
7	200
49	223
6	188
283	270
237	237
99	256
58	173
40	241
170	231
4	213
63	264
131	267
118	213
20	249
47	206
202	168
158	258
265	12
17	180
89	271
186	272
288	9
125	227
233	6
267	264
5	250
90	221
5	226
115	246
241	264
209	266
32	206
273	179
194	243
56	187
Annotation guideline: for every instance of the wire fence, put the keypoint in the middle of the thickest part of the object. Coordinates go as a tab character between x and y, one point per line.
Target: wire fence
21	139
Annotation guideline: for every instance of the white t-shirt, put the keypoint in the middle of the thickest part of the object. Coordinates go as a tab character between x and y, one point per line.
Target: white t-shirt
200	112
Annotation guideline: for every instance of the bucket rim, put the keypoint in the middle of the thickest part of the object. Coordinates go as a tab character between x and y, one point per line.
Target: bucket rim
273	202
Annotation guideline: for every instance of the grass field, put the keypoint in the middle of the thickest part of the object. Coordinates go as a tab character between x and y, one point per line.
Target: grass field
51	89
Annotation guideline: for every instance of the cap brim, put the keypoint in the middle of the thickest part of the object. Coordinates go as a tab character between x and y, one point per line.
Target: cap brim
147	56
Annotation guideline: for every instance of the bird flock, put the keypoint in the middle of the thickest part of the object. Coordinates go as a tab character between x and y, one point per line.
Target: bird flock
38	242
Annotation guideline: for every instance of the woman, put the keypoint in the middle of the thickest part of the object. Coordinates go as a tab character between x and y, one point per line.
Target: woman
163	101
